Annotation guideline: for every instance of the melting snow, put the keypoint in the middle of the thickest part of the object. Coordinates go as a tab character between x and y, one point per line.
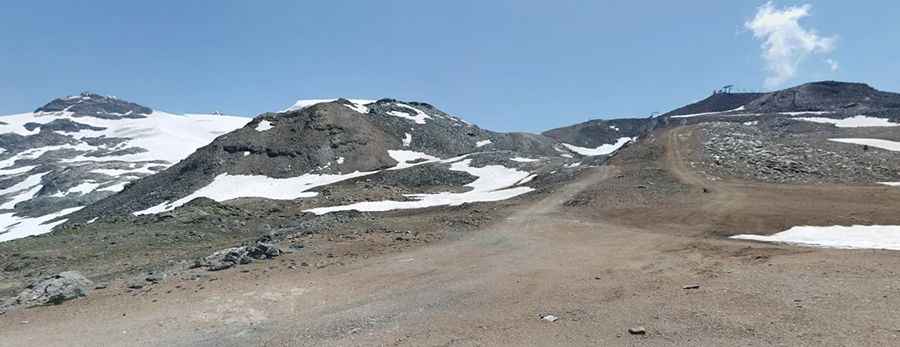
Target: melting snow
419	117
494	183
118	187
264	125
854	236
877	143
83	188
227	187
526	180
852	122
601	150
710	113
13	227
407	159
483	143
805	112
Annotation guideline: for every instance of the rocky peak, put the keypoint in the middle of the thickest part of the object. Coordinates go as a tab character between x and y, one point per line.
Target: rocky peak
826	96
93	105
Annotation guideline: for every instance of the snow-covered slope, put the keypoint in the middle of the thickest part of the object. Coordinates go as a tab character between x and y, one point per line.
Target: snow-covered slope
79	149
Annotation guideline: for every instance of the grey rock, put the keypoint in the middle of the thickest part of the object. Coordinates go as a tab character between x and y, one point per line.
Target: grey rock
53	290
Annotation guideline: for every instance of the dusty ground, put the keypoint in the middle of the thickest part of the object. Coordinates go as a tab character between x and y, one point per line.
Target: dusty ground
610	251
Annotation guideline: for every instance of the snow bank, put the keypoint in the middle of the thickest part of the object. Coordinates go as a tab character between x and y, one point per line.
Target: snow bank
711	113
227	187
602	149
852	122
407	159
483	143
877	143
13	227
837	236
264	125
494	183
416	116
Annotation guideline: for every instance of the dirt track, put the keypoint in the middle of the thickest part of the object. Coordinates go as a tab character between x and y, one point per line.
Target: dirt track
600	275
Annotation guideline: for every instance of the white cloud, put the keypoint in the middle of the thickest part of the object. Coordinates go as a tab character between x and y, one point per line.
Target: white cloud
832	64
785	43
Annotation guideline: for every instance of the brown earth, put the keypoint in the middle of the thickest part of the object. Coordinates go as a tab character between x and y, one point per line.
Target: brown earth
610	251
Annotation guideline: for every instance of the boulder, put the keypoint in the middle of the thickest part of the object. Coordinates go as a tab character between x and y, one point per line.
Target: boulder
229	257
53	290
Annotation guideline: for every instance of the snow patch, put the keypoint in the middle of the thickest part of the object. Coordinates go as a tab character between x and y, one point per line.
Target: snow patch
407	159
407	139
837	236
83	188
264	125
416	116
877	143
226	187
494	183
709	113
602	149
13	227
483	143
524	160
852	122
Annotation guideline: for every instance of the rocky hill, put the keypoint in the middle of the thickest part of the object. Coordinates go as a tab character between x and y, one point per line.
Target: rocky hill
601	136
410	147
826	96
719	102
80	149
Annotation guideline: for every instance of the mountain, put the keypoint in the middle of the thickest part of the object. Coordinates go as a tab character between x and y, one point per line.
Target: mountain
821	98
826	96
718	102
411	147
77	150
600	136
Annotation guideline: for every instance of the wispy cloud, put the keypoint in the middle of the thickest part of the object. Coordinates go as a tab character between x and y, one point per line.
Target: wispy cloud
785	43
832	64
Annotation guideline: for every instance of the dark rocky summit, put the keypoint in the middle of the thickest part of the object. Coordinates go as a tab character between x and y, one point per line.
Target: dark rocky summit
93	105
826	96
719	102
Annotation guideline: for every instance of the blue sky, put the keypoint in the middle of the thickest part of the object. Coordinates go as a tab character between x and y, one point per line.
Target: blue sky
507	65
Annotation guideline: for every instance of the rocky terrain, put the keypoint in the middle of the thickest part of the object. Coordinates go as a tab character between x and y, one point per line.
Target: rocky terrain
77	150
360	222
785	150
411	145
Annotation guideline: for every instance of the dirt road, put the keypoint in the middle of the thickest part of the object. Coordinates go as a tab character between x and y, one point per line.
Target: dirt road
492	287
